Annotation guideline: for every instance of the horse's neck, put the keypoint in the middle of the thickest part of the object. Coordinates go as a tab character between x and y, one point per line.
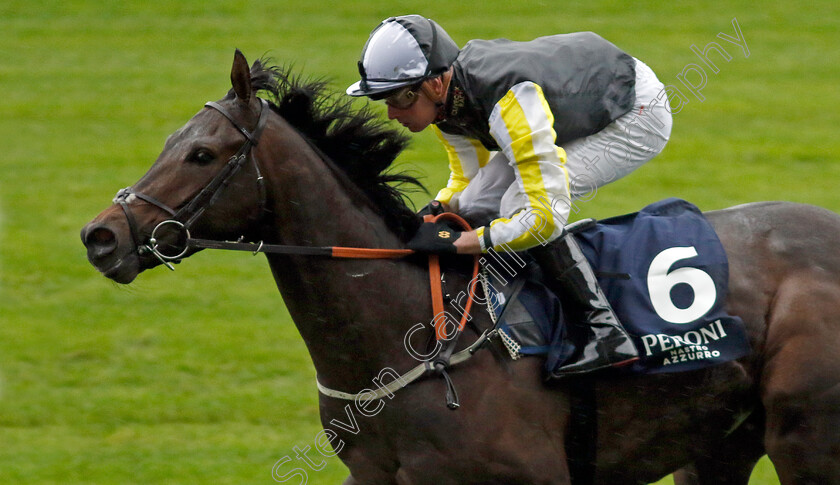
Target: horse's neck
352	314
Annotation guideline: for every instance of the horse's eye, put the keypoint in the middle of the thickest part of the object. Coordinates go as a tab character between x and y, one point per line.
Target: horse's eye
201	156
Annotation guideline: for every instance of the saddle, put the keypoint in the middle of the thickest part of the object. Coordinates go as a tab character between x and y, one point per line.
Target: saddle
665	274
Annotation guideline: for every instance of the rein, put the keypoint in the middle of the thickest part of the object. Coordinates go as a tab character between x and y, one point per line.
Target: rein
329	251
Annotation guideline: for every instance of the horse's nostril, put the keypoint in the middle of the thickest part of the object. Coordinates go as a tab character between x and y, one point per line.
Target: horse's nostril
100	241
101	236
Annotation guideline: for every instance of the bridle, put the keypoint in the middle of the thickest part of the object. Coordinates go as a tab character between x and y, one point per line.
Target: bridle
186	216
189	213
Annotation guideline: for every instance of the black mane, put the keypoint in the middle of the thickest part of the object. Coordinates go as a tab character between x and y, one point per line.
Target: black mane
356	140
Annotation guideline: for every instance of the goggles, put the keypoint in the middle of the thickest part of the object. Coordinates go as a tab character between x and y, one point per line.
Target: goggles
403	98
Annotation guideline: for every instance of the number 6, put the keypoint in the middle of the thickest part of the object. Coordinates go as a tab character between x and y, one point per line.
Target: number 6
661	282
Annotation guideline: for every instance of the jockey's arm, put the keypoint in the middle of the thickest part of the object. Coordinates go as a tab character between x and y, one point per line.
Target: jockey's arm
466	157
522	125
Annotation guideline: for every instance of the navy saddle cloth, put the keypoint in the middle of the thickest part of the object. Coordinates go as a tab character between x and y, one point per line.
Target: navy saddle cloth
665	273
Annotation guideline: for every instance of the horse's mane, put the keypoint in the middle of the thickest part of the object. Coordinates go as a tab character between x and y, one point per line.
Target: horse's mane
356	140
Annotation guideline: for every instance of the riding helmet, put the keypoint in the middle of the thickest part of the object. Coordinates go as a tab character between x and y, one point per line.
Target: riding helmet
402	51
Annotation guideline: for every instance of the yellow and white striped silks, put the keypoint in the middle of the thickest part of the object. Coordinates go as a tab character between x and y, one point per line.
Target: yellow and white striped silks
522	125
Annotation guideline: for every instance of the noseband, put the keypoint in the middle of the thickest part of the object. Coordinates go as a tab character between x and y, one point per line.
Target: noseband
186	216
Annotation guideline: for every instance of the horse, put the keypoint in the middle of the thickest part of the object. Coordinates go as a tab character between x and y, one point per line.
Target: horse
311	170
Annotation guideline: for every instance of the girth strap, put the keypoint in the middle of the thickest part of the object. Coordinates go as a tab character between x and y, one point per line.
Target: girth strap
404	380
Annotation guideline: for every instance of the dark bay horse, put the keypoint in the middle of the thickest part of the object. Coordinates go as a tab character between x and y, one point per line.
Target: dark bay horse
312	176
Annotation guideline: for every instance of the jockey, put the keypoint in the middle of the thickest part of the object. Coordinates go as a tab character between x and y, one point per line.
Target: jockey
528	128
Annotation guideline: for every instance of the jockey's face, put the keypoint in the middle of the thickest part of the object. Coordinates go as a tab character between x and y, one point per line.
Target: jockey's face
421	111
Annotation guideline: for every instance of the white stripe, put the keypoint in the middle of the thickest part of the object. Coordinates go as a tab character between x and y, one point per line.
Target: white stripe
467	154
550	161
393	53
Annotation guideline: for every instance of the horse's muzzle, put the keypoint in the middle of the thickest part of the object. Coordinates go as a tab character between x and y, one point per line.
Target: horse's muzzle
109	253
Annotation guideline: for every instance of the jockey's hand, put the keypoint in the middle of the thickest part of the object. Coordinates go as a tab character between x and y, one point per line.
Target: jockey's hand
433	208
435	238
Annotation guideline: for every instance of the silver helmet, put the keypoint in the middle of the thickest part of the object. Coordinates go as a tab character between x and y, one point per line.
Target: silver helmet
402	51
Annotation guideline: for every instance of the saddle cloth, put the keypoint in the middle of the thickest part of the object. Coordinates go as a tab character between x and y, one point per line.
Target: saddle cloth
665	273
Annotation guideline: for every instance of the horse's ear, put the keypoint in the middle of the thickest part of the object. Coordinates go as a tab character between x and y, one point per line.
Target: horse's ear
240	77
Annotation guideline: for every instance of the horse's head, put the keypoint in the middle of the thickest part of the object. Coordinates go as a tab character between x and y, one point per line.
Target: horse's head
206	179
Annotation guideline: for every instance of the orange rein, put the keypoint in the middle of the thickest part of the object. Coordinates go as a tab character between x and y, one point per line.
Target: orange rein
369	253
357	253
435	281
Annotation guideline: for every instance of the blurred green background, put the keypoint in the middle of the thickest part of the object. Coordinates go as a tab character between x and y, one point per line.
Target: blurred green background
199	376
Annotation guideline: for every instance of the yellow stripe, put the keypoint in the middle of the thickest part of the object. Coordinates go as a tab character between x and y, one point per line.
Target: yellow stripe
480	234
561	154
458	180
481	153
444	195
527	163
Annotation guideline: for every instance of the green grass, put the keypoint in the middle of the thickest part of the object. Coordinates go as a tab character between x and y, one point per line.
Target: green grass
198	376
